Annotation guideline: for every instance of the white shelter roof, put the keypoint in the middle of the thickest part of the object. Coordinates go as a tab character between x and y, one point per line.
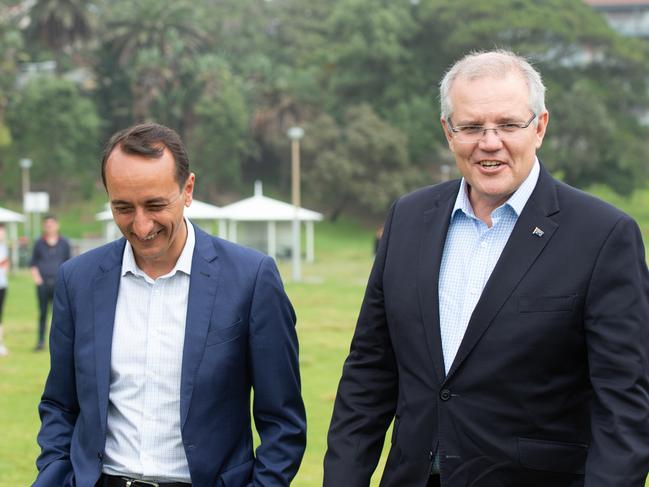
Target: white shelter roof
196	211
8	216
263	208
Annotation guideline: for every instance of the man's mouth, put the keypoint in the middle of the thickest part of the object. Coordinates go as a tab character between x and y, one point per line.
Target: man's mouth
151	236
490	164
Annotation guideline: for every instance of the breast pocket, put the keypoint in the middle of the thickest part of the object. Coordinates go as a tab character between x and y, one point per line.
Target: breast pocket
546	304
219	334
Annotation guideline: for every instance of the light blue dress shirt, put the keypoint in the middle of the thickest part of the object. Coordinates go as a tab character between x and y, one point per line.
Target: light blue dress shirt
470	255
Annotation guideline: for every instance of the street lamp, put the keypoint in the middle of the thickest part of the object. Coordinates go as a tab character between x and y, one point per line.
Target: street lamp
295	134
25	164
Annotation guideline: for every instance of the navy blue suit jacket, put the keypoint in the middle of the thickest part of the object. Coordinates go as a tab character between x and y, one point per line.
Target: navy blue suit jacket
240	335
550	385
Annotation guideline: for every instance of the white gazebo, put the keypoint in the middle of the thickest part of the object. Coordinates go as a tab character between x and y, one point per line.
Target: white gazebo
197	211
11	218
265	224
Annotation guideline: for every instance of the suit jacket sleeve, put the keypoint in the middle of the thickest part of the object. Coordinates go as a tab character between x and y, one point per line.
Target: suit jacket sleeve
58	408
617	333
367	393
278	409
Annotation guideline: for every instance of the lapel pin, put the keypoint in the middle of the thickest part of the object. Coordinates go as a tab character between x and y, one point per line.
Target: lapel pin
538	232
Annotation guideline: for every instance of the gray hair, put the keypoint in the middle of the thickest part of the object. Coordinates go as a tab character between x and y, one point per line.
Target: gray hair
496	63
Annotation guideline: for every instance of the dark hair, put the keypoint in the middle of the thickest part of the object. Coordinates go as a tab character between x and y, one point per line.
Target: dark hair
50	216
149	140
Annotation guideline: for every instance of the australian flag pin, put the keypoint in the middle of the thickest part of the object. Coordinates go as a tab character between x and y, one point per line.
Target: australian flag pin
538	232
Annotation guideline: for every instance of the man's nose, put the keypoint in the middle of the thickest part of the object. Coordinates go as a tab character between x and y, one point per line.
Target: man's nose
491	140
142	223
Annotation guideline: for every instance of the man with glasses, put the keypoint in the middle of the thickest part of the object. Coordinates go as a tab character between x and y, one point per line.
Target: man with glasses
505	325
158	339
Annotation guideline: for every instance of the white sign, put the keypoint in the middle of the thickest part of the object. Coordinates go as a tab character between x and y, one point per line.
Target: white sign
36	202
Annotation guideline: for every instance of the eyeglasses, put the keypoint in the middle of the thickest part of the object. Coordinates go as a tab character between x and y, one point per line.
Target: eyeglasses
469	134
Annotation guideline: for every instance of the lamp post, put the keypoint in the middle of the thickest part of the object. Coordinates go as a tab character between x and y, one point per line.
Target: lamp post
295	134
25	164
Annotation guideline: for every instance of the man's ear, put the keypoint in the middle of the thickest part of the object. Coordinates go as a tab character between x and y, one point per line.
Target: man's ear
448	134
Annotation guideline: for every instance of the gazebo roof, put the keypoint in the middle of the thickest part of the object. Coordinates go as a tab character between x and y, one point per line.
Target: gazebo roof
196	211
263	208
8	216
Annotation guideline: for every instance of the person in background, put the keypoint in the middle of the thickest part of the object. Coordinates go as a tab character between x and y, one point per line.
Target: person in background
505	325
4	271
160	338
50	251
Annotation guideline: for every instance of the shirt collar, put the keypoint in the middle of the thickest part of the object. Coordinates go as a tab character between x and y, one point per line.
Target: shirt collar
516	201
183	264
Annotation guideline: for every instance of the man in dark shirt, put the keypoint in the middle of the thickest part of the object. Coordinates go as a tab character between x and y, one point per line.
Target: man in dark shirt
50	251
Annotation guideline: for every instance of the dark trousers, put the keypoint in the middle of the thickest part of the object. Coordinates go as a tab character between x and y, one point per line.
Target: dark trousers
45	293
3	292
433	481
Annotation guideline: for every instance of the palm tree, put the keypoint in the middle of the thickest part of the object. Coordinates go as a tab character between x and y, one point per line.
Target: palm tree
60	25
150	39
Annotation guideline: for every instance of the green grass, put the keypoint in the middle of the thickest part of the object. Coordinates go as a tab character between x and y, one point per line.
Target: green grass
327	303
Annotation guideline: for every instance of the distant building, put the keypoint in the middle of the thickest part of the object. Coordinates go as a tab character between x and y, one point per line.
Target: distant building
628	17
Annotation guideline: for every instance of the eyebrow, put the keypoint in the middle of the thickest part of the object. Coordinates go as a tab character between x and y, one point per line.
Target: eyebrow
152	201
499	121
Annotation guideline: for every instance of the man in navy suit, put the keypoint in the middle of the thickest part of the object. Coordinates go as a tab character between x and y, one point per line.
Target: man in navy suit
157	340
505	325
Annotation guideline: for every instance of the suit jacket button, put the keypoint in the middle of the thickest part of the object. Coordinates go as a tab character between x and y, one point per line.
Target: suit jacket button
444	394
100	455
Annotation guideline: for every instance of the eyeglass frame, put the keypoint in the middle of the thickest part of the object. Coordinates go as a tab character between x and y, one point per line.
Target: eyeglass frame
456	130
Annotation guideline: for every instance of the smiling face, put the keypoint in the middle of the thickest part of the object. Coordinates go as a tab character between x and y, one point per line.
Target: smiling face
493	168
147	206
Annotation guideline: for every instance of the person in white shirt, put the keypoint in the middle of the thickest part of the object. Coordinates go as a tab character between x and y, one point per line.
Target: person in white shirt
158	340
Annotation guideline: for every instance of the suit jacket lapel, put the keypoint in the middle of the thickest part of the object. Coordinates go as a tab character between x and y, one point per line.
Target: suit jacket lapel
435	226
200	304
520	252
105	290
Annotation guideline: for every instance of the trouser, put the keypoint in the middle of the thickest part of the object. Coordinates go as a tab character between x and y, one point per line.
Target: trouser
45	293
433	481
3	293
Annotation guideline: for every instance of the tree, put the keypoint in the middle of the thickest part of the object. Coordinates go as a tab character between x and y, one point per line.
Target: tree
11	51
219	138
58	128
60	25
362	162
156	44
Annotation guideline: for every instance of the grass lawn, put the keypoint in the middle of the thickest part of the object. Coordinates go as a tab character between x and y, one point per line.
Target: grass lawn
327	303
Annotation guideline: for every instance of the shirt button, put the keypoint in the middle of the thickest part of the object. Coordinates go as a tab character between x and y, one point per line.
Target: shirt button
444	394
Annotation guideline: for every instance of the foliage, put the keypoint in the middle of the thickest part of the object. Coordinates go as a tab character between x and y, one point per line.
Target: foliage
59	25
219	137
365	164
233	75
57	127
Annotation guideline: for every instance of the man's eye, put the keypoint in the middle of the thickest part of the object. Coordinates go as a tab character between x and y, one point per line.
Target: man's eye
122	209
156	207
509	127
471	129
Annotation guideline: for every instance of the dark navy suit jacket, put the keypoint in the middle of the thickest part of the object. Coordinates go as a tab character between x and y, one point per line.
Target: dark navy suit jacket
240	334
550	385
